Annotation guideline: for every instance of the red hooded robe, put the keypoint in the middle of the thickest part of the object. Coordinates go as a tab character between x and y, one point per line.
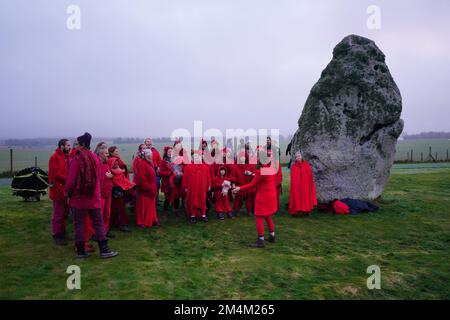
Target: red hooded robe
302	197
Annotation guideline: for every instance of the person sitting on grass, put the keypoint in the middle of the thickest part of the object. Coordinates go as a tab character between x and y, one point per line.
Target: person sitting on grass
83	191
221	186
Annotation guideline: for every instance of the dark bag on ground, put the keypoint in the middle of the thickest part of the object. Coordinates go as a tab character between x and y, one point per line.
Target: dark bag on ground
359	206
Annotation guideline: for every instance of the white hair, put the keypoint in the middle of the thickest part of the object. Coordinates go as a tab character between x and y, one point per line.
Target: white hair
148	154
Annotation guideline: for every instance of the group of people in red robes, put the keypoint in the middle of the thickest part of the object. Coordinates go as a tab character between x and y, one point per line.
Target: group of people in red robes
95	187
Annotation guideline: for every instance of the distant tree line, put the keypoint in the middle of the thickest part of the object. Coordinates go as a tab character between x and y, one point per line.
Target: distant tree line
33	142
44	142
427	135
125	140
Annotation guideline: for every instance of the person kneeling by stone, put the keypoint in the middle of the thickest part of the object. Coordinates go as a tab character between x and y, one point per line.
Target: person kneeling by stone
83	191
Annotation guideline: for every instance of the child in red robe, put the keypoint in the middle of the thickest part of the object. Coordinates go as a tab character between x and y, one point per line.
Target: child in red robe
302	196
221	186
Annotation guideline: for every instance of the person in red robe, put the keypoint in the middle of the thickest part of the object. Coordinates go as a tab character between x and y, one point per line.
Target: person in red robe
83	190
156	156
171	171
119	177
118	209
146	215
138	155
302	195
107	186
196	183
57	174
73	152
265	200
242	174
221	185
166	171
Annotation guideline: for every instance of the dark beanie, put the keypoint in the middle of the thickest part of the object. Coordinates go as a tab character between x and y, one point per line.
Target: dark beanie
85	140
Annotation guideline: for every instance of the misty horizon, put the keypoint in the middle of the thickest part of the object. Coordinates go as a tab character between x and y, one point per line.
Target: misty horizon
145	68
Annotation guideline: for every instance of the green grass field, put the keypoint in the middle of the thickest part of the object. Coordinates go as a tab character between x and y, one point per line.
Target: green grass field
321	257
25	157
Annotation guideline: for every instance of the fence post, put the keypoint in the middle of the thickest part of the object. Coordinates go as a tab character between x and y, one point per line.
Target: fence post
35	161
11	160
412	159
421	156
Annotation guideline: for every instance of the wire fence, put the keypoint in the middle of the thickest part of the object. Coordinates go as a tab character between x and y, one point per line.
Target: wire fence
13	160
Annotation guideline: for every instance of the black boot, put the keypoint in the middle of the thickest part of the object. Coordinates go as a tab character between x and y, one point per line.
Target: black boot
258	244
166	205
193	220
176	204
124	228
270	238
105	252
81	250
204	219
60	240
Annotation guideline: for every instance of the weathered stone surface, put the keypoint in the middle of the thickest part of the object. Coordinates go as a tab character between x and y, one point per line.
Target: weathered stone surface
350	123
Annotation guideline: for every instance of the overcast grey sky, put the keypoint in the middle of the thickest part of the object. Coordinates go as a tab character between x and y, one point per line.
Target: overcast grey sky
144	68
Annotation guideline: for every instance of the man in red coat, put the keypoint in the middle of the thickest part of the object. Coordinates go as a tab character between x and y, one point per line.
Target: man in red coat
196	183
57	175
83	190
146	215
302	194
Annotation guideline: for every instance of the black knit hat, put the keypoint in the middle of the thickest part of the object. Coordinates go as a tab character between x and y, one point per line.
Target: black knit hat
85	140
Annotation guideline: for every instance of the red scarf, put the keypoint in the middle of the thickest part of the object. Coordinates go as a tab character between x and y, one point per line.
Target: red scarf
87	178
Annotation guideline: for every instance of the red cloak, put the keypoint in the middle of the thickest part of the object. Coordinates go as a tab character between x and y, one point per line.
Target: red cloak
196	181
146	188
302	197
222	202
266	193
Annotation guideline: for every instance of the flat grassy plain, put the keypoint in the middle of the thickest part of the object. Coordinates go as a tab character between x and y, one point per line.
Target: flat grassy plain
320	257
25	157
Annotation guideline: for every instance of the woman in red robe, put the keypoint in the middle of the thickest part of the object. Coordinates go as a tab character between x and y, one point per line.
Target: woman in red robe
265	200
118	210
243	174
119	177
146	186
302	196
196	183
171	172
221	185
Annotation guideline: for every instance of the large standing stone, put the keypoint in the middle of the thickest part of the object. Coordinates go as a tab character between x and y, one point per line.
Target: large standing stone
350	123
